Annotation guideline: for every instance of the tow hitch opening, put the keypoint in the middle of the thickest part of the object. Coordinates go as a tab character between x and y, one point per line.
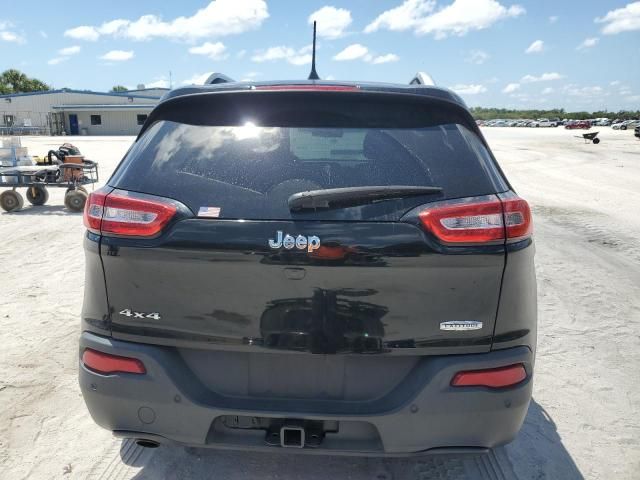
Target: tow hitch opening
292	436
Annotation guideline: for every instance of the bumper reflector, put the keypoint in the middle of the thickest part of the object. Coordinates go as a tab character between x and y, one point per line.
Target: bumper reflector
105	363
492	378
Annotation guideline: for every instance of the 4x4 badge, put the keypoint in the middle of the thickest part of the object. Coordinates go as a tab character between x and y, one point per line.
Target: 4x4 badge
300	242
461	325
130	313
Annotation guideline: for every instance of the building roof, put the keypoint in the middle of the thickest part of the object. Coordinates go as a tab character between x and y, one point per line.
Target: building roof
87	92
148	89
112	106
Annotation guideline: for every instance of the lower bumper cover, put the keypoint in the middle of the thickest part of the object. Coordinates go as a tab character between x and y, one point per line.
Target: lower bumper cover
423	413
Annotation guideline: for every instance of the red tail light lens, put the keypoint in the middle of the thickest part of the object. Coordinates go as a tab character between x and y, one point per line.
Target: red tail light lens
493	378
119	213
106	364
517	219
478	222
93	210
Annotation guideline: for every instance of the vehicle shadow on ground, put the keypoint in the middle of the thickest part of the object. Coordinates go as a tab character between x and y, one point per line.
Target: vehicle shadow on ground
44	210
536	453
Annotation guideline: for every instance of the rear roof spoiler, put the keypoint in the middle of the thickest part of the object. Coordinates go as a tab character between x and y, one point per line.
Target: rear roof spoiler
422	78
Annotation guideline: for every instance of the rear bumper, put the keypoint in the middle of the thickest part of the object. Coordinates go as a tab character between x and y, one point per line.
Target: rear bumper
422	413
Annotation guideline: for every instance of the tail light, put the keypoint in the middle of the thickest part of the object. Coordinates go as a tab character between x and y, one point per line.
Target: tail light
493	378
122	213
106	363
490	220
94	208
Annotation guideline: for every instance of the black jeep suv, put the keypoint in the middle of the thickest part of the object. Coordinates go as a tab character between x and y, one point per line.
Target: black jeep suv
329	266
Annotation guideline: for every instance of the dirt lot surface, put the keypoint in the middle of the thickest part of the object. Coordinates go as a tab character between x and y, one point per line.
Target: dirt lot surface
584	421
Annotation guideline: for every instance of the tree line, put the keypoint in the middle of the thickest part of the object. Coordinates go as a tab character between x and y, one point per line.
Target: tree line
482	113
14	81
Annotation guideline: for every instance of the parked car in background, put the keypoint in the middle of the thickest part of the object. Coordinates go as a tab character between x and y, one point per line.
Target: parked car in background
544	122
601	122
578	124
625	125
636	132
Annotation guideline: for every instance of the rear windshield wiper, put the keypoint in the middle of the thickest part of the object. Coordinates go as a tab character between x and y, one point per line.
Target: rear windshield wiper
350	196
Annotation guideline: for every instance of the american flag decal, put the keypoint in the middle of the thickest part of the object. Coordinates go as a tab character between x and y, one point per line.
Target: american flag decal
210	212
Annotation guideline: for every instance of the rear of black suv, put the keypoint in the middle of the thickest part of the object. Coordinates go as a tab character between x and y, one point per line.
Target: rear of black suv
327	268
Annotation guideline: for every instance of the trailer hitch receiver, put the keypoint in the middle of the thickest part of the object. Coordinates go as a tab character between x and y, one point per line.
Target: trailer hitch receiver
292	435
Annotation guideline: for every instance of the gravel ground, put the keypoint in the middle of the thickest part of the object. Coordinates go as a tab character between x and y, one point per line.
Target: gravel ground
584	421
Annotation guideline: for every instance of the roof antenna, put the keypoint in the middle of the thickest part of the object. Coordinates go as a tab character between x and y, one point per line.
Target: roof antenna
314	75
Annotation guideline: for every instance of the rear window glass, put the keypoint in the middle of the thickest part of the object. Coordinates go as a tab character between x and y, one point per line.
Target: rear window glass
249	172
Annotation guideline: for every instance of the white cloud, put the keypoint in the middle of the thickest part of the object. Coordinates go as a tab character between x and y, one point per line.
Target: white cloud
215	51
8	35
577	91
352	52
458	18
403	17
545	77
357	51
626	19
218	18
43	34
588	43
389	57
615	83
547	91
57	60
241	54
68	51
160	82
291	55
300	59
512	87
553	18
118	55
477	57
469	89
535	47
84	32
65	54
332	22
197	79
11	37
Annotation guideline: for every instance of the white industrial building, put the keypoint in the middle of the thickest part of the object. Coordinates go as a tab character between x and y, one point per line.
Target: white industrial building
77	112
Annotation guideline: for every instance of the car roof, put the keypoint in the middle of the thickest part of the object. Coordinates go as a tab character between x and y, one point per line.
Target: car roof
423	90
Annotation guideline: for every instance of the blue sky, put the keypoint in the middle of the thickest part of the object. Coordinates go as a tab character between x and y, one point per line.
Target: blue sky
576	54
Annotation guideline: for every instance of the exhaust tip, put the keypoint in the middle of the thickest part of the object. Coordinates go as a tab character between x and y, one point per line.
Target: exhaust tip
147	443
